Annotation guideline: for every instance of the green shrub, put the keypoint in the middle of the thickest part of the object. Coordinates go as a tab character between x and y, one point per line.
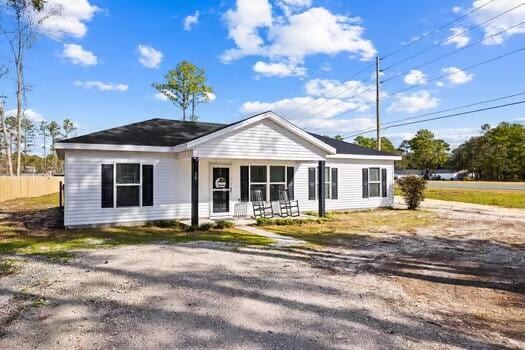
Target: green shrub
289	221
165	223
412	189
222	224
206	226
263	222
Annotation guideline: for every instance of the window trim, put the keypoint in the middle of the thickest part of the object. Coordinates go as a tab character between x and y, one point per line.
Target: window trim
268	182
374	182
139	185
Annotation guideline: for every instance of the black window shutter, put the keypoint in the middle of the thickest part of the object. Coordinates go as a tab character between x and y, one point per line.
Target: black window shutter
365	182
334	183
147	185
244	184
383	183
107	186
311	183
290	172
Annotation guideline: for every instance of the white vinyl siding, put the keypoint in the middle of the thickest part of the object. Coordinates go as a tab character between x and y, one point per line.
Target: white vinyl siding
262	140
349	185
170	187
263	143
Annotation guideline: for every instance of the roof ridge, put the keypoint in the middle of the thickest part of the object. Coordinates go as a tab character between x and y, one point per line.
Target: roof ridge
185	121
353	144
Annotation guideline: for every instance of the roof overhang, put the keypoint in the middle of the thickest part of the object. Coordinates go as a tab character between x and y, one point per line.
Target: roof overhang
249	121
109	147
363	156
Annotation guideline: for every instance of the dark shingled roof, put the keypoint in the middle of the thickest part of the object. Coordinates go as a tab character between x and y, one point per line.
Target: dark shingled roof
343	147
152	132
168	132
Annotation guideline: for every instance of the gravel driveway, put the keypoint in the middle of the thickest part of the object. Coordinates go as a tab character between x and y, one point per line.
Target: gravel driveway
385	294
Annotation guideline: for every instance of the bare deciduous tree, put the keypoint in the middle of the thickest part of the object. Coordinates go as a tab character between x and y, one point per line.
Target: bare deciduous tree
23	19
6	139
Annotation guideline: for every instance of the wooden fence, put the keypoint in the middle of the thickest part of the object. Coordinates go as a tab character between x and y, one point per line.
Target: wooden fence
12	187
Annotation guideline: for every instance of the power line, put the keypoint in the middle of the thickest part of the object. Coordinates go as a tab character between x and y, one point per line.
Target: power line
447	116
434	31
343	101
460	70
365	131
317	103
427	82
449	38
325	94
452	53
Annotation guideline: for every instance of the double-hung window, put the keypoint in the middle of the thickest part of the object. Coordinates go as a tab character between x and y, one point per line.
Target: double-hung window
258	179
330	183
374	182
127	185
269	179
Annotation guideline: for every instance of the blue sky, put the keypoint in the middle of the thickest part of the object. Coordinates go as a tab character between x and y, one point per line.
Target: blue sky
96	62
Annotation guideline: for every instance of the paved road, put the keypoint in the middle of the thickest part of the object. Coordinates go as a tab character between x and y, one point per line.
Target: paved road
482	185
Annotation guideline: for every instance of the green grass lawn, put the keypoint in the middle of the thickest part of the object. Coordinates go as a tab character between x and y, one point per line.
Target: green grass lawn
343	227
18	234
500	198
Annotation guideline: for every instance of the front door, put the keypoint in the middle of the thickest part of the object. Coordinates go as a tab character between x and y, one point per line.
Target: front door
220	190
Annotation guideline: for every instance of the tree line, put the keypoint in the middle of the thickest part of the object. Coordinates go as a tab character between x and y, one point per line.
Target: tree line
19	25
40	135
498	153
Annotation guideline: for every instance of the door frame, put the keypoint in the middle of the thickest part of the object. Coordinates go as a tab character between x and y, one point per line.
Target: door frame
229	212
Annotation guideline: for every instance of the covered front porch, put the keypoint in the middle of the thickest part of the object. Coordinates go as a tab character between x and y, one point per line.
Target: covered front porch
223	188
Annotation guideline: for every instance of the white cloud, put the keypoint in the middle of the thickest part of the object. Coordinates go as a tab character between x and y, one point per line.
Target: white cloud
77	55
318	31
278	69
149	57
161	96
300	33
291	6
456	9
33	115
440	84
414	102
191	21
500	23
29	113
71	20
457	37
455	136
457	76
102	86
336	111
351	89
326	67
312	120
415	77
211	96
243	27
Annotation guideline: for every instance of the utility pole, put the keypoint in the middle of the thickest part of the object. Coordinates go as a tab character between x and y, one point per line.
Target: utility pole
378	133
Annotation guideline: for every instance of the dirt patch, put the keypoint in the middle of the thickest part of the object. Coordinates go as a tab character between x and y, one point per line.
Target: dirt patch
457	282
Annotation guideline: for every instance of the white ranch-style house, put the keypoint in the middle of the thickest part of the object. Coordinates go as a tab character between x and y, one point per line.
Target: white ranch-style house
162	169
